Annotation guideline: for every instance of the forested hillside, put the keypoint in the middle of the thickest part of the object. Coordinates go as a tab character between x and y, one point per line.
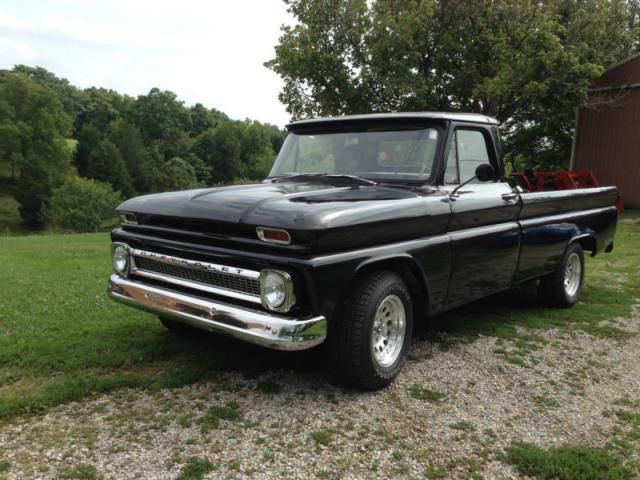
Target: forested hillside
69	155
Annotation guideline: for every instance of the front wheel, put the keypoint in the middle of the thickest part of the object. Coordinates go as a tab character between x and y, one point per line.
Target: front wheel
369	342
562	288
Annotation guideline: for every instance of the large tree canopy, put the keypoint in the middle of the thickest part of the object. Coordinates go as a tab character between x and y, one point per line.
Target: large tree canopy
526	63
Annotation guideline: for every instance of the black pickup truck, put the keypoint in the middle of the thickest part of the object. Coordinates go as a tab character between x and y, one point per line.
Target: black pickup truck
365	225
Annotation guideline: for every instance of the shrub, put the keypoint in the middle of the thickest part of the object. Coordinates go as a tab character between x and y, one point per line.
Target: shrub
83	205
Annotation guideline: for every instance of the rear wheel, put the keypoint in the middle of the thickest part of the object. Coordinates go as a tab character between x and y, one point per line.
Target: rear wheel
562	288
369	342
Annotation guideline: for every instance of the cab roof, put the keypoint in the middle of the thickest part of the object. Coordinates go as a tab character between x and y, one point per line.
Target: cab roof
401	116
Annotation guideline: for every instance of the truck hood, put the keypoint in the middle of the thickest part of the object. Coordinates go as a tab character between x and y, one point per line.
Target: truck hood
296	206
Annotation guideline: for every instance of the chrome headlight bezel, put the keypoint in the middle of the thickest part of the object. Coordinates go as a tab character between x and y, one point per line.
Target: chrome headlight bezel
120	252
128	218
288	295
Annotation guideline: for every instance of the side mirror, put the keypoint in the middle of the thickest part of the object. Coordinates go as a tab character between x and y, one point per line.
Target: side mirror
485	172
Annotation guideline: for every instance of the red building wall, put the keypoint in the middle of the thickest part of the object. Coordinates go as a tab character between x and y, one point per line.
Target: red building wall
608	134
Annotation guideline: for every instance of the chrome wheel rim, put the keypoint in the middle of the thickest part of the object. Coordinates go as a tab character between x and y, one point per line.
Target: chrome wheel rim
572	274
389	326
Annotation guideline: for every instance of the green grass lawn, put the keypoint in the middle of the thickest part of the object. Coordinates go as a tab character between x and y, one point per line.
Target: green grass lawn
62	339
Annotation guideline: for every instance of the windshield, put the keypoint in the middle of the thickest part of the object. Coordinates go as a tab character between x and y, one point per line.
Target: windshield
390	155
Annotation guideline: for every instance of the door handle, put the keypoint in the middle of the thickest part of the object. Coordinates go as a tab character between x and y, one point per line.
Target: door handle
510	197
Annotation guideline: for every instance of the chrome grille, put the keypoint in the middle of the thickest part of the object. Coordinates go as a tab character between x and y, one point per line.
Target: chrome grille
229	281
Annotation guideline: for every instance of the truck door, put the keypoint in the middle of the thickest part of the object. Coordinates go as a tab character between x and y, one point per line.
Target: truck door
484	231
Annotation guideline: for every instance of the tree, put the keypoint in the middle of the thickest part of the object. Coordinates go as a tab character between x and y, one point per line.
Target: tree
100	107
88	139
176	174
257	151
128	140
237	149
70	96
203	119
226	152
106	165
160	116
33	131
201	169
82	205
529	64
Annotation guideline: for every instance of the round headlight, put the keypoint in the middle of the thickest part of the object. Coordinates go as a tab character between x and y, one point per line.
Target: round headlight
120	259
274	289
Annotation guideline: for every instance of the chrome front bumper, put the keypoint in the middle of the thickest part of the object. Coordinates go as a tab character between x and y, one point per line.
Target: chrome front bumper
280	333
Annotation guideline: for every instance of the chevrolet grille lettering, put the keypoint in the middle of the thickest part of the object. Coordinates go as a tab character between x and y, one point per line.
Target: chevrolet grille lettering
195	264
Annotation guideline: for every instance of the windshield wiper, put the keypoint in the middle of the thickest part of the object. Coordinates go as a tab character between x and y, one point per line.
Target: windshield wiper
303	177
406	186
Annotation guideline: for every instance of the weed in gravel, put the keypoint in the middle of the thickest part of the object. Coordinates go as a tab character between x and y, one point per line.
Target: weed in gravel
195	469
546	401
331	397
185	420
5	465
417	392
322	437
434	473
81	471
489	432
627	402
515	360
416	356
627	433
211	419
382	432
567	462
470	465
623	447
631	418
463	426
269	386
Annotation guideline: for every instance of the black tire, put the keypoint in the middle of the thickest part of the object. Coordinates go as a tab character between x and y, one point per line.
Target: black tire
176	327
553	290
352	360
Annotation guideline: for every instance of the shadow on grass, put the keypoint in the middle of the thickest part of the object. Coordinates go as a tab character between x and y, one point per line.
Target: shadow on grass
500	315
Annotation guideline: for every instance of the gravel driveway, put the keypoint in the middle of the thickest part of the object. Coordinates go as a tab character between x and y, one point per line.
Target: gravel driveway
446	416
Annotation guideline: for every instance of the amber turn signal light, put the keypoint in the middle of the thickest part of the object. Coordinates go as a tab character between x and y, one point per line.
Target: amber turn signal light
273	235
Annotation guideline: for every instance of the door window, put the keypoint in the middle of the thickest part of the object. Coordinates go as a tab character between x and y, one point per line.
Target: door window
468	149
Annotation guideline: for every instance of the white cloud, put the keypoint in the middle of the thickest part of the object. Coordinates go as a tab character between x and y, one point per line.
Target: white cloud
205	51
13	52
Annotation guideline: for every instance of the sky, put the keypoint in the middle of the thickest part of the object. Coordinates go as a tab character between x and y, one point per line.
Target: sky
210	52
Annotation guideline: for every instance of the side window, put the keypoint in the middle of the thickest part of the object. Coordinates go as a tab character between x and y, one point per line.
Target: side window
451	171
468	150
